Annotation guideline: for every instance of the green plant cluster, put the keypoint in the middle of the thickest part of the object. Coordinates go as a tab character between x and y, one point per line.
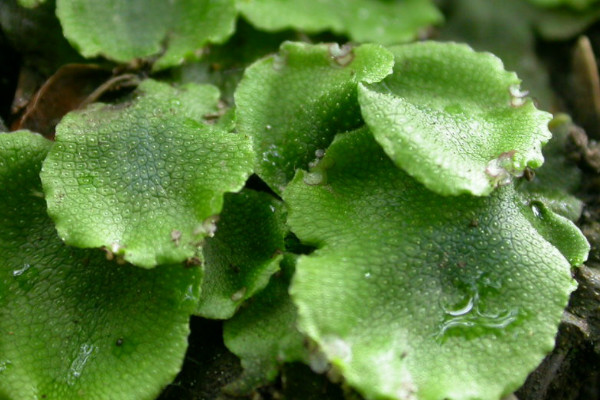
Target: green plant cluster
395	241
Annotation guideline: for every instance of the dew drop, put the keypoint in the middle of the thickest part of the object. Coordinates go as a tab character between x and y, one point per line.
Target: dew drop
272	155
190	294
4	365
79	363
21	271
469	318
462	309
537	212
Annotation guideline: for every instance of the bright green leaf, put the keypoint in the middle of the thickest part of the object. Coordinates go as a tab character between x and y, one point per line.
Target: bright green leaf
264	334
415	295
72	324
556	181
293	103
143	179
224	65
454	119
559	231
384	22
123	30
243	254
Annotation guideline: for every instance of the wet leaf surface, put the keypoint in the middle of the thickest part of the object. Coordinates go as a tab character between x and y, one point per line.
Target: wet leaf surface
264	334
454	119
101	322
293	103
171	31
243	254
414	294
557	181
383	22
144	179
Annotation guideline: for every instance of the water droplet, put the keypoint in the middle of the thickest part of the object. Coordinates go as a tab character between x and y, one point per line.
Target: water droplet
537	212
461	309
469	318
21	271
368	275
79	363
272	155
190	294
4	365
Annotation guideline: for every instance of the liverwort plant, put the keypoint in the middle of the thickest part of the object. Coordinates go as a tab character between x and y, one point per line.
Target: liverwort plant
391	241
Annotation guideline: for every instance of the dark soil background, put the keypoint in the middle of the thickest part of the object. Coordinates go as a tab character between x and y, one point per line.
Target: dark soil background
570	372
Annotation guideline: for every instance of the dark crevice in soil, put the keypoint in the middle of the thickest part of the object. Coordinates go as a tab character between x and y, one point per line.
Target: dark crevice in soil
9	74
208	365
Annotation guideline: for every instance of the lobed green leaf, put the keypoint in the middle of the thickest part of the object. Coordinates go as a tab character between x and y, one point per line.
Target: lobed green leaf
454	119
415	295
243	254
72	324
383	22
559	178
123	30
293	103
264	334
144	179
